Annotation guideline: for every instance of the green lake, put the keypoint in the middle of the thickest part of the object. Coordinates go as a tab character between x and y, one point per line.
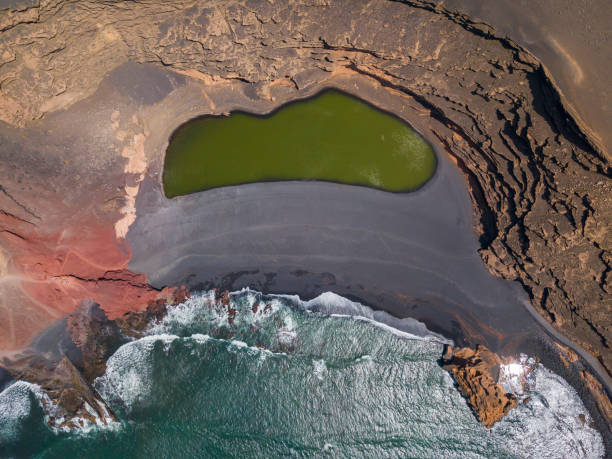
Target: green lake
331	137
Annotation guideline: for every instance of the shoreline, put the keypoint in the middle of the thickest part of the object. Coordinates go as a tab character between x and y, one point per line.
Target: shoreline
533	171
320	90
544	351
208	274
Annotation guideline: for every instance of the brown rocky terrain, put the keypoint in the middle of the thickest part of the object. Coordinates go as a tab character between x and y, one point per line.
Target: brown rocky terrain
69	178
84	342
476	371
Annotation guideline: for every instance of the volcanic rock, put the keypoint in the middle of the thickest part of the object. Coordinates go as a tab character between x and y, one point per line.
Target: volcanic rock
68	399
133	324
95	336
476	371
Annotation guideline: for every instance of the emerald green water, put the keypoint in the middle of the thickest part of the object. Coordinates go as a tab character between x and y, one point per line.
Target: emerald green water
284	378
331	137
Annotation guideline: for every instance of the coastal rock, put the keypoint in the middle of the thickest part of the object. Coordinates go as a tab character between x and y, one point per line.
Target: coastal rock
476	371
68	397
66	373
603	402
68	400
95	336
133	324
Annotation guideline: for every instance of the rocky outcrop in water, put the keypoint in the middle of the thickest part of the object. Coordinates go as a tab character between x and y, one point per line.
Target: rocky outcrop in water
96	337
65	374
476	372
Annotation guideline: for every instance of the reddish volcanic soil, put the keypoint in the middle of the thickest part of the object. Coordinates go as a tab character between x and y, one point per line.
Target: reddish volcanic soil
54	259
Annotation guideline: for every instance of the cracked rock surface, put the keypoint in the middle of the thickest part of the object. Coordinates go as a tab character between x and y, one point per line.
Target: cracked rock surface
541	188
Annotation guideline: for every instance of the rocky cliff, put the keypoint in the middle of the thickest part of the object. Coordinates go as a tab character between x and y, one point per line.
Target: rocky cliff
541	188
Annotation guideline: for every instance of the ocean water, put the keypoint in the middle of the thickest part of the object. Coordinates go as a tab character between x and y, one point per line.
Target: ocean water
288	378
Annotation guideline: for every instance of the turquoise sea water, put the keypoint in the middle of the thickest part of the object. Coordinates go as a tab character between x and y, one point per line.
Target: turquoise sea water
282	379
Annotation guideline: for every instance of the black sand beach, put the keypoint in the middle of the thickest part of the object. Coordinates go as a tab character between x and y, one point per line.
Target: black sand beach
533	171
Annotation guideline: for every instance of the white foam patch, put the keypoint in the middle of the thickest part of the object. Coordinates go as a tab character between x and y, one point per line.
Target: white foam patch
550	425
238	343
202	307
320	368
15	405
200	338
338	306
184	314
364	358
517	377
128	371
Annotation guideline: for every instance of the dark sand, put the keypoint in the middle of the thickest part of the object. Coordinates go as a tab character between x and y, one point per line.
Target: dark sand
412	254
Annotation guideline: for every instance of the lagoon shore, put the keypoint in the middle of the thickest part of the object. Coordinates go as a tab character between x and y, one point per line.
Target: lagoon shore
84	134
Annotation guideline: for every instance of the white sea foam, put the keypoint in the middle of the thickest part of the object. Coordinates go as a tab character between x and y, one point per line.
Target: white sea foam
200	308
184	314
549	425
517	377
238	343
128	373
319	369
200	338
15	405
339	306
364	358
546	426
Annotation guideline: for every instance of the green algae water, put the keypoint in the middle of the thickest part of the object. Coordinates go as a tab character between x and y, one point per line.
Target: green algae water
331	137
289	378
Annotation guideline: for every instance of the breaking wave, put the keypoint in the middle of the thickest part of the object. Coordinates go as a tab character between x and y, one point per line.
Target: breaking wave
273	375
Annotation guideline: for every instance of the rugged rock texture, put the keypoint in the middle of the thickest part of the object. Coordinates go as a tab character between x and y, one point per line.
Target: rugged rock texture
476	372
571	361
541	188
95	336
133	324
66	375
